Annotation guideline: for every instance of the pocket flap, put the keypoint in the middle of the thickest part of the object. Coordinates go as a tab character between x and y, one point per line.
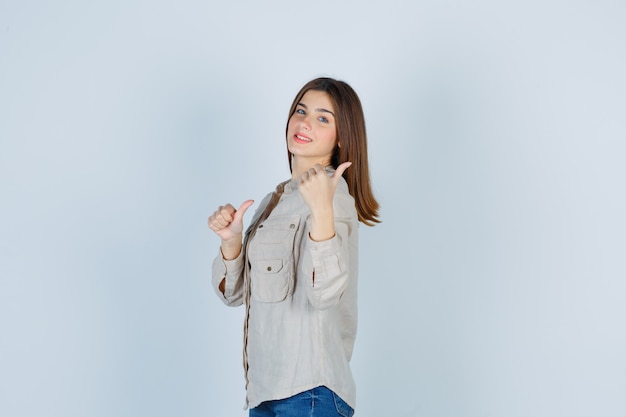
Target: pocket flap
268	266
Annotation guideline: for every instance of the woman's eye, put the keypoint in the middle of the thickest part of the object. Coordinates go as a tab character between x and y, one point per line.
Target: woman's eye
300	111
323	119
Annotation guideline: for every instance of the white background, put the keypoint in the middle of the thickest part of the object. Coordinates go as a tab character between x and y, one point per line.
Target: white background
495	286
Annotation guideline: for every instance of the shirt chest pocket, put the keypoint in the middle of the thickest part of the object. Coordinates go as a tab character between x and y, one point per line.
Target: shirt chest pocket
271	256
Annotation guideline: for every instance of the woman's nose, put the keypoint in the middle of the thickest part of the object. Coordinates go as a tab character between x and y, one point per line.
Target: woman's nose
305	125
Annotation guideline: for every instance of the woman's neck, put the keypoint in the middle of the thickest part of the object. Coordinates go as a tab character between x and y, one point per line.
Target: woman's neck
300	165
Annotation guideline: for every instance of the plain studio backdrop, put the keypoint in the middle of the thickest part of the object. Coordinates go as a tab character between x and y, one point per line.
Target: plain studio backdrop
495	286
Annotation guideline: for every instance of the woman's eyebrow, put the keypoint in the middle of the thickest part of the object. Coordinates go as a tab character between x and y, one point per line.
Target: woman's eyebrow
321	110
325	111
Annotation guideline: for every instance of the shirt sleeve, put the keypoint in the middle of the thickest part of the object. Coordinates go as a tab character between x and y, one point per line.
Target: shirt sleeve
325	265
232	272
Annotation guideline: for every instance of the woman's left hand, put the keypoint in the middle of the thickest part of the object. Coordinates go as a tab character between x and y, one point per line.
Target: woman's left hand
317	190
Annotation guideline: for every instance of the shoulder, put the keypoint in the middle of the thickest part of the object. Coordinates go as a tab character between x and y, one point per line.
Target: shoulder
264	202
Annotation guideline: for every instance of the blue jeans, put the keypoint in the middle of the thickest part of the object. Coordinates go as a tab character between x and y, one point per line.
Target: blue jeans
317	402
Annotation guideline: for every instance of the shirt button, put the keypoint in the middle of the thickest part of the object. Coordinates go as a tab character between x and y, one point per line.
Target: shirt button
291	226
269	268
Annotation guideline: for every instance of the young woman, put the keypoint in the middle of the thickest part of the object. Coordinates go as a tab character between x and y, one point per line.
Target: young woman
296	267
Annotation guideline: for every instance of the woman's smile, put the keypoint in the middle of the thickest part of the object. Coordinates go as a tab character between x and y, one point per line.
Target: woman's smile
300	138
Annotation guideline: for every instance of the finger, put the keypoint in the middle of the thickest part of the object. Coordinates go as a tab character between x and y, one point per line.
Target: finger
212	218
218	220
224	217
221	213
341	169
242	209
221	221
226	213
216	224
221	217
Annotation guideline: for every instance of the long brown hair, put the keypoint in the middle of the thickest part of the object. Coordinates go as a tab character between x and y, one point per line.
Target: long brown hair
351	143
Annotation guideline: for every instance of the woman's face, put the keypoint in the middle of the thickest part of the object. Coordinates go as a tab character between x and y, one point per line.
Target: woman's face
312	132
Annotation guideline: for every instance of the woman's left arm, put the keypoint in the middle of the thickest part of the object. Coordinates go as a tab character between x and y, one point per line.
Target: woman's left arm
332	240
327	267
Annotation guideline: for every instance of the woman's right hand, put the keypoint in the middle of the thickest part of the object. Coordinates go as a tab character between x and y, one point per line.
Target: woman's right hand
227	223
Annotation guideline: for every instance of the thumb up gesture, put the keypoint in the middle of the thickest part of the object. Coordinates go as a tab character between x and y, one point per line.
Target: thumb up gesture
227	222
317	190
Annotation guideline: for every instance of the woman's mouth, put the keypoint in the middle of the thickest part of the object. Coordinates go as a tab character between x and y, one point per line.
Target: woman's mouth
298	138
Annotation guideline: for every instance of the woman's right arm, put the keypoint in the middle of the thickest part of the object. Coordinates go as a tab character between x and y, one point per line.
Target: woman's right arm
228	280
227	223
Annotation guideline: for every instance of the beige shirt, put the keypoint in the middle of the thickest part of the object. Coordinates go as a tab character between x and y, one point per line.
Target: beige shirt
302	314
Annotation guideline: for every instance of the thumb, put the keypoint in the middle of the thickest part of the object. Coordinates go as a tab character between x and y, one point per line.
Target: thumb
242	209
340	170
